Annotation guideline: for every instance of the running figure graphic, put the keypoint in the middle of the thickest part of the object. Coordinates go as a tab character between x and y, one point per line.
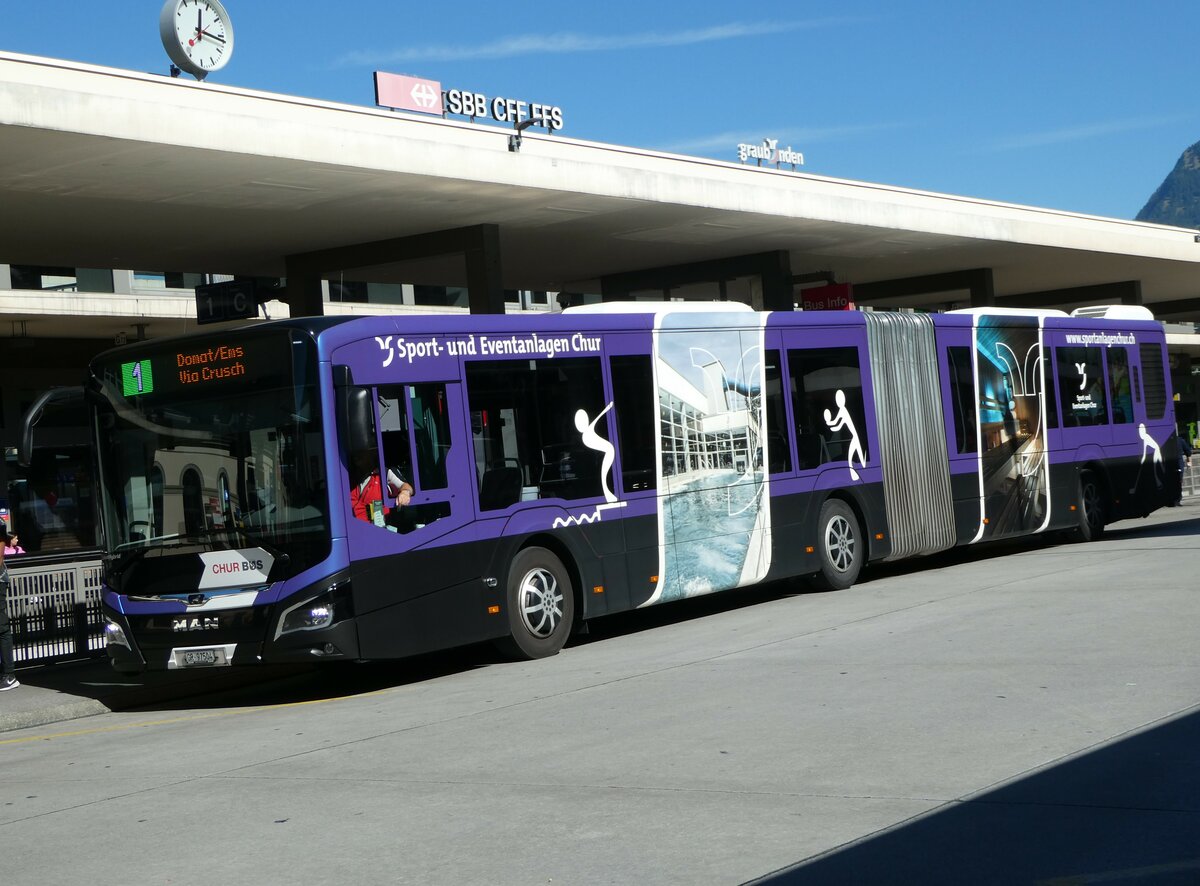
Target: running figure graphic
843	420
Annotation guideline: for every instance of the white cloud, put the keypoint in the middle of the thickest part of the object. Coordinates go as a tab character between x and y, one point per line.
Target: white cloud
1083	132
541	44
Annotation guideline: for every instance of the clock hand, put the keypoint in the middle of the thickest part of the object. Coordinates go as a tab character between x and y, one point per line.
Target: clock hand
212	36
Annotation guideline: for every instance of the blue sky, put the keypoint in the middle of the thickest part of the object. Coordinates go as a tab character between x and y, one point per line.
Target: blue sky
1071	105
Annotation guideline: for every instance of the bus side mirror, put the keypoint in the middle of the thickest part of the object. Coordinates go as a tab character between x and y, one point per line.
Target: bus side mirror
356	412
72	397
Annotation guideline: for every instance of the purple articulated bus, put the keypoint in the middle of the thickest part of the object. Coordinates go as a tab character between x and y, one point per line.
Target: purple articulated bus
371	488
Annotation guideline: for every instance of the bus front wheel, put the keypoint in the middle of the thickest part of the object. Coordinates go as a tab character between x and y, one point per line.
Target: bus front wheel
839	547
541	605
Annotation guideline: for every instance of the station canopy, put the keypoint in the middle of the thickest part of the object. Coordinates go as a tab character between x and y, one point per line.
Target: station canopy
106	168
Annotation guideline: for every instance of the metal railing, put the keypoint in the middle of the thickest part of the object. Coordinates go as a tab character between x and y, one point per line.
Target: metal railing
55	612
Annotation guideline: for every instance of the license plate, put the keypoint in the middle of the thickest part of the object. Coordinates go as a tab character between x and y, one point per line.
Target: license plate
201	658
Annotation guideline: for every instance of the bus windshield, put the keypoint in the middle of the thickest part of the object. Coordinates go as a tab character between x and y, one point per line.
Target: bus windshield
211	445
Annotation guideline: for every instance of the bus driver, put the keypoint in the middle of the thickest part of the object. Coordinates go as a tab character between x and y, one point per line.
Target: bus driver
366	489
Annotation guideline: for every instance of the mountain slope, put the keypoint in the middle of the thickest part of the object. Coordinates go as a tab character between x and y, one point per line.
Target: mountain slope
1177	200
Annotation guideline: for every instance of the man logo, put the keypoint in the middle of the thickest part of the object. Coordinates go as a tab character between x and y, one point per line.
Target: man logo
196	624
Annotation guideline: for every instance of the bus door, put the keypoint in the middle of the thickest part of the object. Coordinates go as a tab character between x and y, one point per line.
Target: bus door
1083	398
956	365
636	415
828	380
1126	412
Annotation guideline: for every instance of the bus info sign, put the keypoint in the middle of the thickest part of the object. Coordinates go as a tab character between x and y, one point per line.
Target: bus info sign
835	297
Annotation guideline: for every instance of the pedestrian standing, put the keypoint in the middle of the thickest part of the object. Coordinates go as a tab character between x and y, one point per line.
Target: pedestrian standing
8	664
1185	461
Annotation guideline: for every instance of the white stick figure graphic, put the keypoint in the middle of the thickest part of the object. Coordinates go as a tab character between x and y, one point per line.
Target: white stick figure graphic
1082	367
593	441
843	420
1160	469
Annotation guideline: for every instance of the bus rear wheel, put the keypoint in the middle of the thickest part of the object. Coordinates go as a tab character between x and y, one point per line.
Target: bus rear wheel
839	547
541	605
1091	507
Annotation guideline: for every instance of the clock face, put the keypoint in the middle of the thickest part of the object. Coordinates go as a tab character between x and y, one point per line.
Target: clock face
197	35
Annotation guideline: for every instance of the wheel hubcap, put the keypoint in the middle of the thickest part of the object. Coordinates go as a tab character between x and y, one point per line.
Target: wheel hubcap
839	543
541	602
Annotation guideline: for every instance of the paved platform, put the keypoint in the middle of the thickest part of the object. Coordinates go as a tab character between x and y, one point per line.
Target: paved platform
68	691
56	693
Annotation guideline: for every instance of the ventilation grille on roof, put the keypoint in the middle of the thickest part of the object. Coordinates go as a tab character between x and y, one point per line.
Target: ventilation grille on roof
1114	312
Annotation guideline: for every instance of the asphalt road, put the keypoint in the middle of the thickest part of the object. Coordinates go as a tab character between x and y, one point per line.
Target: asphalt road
1022	714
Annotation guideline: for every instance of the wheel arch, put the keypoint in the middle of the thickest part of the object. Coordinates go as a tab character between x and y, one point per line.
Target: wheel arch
860	514
570	562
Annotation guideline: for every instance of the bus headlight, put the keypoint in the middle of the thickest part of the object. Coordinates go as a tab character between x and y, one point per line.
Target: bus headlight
317	612
114	634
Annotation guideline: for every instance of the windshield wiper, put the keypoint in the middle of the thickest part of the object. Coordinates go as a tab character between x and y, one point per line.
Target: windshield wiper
145	541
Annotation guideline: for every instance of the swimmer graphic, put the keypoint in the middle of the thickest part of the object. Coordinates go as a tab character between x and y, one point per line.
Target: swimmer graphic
843	420
593	441
1160	469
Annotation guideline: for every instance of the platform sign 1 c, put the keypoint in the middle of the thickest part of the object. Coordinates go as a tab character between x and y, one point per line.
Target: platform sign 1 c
137	378
233	300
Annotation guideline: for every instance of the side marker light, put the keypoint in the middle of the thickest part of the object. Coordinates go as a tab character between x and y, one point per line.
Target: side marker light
493	610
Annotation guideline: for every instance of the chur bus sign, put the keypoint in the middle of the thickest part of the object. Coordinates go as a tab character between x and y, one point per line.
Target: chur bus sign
428	97
770	152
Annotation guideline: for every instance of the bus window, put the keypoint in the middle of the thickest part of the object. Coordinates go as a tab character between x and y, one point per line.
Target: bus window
779	451
394	437
431	434
818	376
410	418
1119	386
1051	394
1081	379
962	396
634	406
1151	356
523	419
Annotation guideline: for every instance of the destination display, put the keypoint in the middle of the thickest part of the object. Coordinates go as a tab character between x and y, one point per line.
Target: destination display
216	364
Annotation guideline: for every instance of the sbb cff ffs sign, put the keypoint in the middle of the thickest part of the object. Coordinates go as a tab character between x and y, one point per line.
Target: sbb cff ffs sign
218	302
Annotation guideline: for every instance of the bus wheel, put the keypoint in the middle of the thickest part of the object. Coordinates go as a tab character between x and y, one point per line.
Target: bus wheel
541	605
839	547
1091	507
